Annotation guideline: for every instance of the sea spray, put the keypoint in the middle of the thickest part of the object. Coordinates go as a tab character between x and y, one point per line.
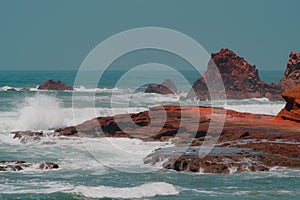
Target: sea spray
40	112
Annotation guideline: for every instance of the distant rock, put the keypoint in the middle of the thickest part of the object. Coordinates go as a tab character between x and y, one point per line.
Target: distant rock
54	85
291	76
18	165
241	80
166	87
291	111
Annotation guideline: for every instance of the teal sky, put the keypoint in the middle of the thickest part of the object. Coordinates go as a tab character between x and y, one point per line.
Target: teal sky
58	34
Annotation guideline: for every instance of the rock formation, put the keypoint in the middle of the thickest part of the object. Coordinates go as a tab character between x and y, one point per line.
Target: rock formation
291	76
54	85
247	142
291	110
166	87
241	80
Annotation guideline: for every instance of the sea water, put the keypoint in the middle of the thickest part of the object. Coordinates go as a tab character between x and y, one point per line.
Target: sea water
118	170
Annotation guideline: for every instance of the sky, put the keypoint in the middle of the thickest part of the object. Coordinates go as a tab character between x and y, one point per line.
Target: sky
59	34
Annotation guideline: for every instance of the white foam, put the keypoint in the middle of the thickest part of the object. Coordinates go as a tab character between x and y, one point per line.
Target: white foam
268	109
141	191
25	187
99	90
9	88
122	153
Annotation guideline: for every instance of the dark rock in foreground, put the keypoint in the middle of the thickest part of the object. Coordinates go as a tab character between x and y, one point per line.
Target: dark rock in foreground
54	85
291	111
166	87
18	165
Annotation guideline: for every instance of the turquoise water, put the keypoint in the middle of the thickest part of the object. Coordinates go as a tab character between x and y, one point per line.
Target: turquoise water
101	169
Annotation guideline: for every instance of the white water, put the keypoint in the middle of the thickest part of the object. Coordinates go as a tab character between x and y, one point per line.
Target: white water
141	191
151	189
44	112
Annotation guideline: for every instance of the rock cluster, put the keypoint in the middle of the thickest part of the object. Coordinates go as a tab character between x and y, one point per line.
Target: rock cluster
18	165
166	87
54	85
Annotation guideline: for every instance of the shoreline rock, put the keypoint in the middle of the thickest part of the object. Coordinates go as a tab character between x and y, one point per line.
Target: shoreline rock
270	140
247	142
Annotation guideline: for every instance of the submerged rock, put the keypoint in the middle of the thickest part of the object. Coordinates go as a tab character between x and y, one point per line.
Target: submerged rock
18	165
28	136
291	111
54	85
166	87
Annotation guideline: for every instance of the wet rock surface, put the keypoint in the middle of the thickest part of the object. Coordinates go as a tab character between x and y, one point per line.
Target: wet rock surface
54	85
270	140
19	165
32	136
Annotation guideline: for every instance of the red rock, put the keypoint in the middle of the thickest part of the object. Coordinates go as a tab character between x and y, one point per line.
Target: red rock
291	110
54	85
291	76
241	80
166	87
268	137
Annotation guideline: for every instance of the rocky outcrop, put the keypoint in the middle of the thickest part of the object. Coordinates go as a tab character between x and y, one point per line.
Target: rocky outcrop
18	165
241	80
166	87
291	76
291	111
54	85
247	142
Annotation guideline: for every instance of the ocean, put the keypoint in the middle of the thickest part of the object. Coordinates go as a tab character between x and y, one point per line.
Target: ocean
114	174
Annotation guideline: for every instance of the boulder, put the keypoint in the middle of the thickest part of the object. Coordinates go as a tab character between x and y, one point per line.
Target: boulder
166	87
291	111
54	85
241	80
